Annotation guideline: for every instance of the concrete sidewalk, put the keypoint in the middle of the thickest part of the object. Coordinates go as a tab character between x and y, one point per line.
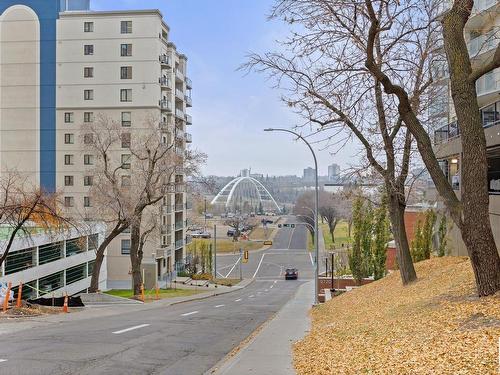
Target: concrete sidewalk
270	352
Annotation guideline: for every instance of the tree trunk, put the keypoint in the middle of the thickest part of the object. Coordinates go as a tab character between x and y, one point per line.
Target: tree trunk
136	256
403	256
333	236
94	281
476	227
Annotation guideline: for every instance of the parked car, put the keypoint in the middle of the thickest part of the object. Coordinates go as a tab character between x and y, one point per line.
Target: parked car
201	235
231	232
291	274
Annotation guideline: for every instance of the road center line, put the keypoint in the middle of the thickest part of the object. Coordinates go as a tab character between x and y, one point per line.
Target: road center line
251	296
219	306
271	287
3	360
130	329
190	313
258	267
312	261
266	290
237	300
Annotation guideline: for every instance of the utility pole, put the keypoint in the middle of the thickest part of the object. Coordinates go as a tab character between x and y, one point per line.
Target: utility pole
215	251
333	269
205	214
241	263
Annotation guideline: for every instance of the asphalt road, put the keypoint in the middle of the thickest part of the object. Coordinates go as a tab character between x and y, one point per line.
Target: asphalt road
188	338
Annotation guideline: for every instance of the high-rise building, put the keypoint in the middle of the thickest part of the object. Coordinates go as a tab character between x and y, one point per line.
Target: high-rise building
309	174
333	172
61	65
481	34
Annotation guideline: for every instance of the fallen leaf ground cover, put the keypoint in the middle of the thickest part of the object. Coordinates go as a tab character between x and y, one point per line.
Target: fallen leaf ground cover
436	325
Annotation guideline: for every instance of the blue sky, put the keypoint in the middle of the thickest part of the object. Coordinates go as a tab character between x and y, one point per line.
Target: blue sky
230	109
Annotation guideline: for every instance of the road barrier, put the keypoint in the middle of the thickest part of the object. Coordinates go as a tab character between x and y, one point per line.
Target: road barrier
19	294
65	305
6	299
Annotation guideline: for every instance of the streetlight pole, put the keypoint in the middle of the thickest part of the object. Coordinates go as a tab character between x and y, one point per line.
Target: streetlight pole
316	204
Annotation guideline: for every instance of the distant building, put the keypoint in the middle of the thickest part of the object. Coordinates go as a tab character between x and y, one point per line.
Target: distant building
333	172
309	174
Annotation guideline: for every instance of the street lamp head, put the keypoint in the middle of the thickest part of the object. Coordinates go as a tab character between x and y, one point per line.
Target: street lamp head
269	130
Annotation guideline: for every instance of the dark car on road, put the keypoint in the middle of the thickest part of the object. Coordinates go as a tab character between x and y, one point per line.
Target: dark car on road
291	274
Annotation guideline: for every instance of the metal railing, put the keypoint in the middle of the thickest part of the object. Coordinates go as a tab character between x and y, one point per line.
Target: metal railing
188	119
166	105
179	113
188	100
165	60
165	82
188	137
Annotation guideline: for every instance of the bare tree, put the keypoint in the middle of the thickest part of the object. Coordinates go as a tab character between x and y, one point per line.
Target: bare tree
125	185
329	210
25	209
323	72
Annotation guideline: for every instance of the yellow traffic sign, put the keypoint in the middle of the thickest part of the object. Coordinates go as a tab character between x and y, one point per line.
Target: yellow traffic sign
266	243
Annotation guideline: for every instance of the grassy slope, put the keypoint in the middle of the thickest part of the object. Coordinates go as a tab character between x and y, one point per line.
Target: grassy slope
340	234
164	293
433	326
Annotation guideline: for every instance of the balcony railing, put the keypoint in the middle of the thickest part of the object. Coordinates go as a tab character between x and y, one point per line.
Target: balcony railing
179	244
179	135
189	83
179	225
483	43
179	170
188	137
179	94
488	83
165	82
447	132
189	119
179	74
166	209
180	151
481	5
189	101
166	105
179	207
166	61
179	113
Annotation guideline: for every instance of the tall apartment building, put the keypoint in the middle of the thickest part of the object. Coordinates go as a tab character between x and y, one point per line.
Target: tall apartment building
333	172
62	65
482	33
309	174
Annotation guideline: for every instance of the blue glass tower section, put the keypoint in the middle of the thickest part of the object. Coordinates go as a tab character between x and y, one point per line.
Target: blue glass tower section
48	13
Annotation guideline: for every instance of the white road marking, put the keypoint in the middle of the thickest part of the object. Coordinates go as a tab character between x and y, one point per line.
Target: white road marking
291	237
219	306
266	290
3	360
259	292
251	296
130	329
275	281
233	267
237	300
190	313
257	270
221	275
312	261
271	287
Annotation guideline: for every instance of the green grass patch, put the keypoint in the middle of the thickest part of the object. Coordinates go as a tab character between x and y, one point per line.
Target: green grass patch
341	235
227	246
226	282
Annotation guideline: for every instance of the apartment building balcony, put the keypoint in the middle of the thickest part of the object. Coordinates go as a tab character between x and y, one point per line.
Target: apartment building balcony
166	209
188	119
179	170
483	44
179	135
180	151
165	83
179	225
165	61
180	188
179	244
189	83
179	94
189	239
179	207
482	13
179	113
166	125
179	75
189	101
166	105
487	85
165	229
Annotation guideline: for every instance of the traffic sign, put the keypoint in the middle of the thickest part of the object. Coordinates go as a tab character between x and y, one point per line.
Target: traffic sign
268	243
245	256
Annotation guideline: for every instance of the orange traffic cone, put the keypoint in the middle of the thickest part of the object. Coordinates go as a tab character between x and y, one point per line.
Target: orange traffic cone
157	292
65	305
6	300
19	294
142	292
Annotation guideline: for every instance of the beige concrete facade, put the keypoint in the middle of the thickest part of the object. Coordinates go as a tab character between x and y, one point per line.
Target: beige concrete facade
482	36
119	64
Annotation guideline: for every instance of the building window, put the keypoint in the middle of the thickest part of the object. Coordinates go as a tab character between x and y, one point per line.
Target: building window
69	117
126	49
88	159
125	140
69	202
88	49
86	202
88	138
126	72
69	138
88	180
88	72
68	181
126	95
126	27
126	181
126	161
126	119
125	247
68	159
88	27
88	117
88	94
